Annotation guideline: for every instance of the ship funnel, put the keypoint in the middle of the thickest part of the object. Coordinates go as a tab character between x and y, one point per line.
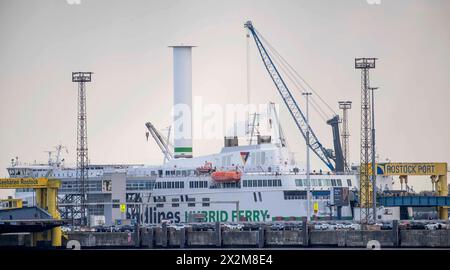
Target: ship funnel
182	101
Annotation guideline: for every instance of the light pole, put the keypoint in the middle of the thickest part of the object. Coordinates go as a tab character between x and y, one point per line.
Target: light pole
308	180
374	175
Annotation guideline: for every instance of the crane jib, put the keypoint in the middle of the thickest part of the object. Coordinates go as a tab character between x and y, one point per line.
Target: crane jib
290	102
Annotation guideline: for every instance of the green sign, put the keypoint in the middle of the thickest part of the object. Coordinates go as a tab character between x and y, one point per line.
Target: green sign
226	216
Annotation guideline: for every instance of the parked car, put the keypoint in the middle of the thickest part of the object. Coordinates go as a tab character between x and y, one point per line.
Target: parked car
277	226
293	225
332	226
435	226
251	226
203	226
65	229
209	226
418	225
168	221
345	225
178	226
87	229
321	226
126	228
355	226
317	226
442	225
290	225
404	225
100	229
386	225
233	226
431	226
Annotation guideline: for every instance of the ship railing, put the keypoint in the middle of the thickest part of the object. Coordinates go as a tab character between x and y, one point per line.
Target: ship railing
280	173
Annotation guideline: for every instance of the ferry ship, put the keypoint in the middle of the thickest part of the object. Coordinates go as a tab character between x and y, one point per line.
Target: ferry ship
262	183
259	181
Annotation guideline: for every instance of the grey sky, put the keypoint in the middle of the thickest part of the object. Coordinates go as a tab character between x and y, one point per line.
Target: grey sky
125	44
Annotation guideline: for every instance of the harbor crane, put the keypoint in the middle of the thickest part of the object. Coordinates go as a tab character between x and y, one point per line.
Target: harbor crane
162	142
325	155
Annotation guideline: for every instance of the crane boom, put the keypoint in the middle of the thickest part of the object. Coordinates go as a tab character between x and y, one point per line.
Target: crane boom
160	141
290	102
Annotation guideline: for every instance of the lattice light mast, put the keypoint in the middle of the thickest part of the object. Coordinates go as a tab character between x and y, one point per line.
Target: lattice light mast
345	106
82	149
365	185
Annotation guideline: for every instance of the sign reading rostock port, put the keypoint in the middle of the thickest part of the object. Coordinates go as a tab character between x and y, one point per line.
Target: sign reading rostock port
411	168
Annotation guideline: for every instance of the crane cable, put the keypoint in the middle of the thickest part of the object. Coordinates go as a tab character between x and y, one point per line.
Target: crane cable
290	70
314	104
294	72
282	66
277	54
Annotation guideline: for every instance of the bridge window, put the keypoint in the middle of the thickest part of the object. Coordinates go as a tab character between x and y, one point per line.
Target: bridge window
349	182
333	182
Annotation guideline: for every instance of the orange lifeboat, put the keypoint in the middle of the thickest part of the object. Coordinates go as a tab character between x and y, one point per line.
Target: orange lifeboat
227	176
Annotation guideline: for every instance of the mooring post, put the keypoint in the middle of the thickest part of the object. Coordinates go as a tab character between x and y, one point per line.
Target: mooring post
150	233
305	232
395	233
164	235
218	235
137	238
261	237
182	237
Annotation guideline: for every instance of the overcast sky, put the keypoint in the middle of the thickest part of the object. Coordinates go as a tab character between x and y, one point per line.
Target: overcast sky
125	44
